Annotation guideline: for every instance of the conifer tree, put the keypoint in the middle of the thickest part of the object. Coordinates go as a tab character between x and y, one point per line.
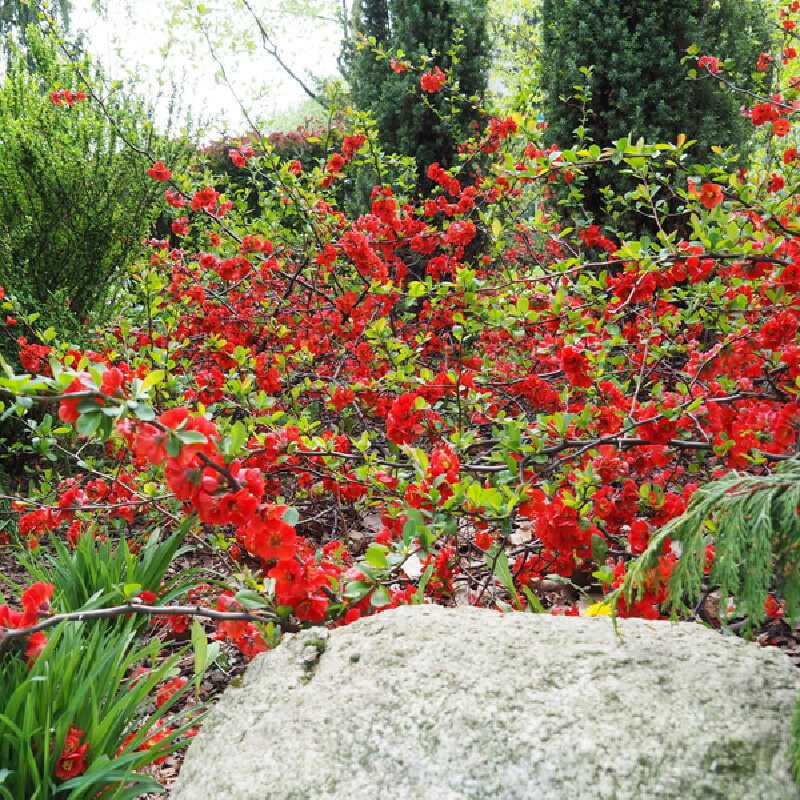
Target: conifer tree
453	34
639	84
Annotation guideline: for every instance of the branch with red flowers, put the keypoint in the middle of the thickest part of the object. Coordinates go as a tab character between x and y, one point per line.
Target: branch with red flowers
11	634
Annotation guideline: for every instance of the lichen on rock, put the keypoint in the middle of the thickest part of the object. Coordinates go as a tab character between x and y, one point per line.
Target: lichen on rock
431	703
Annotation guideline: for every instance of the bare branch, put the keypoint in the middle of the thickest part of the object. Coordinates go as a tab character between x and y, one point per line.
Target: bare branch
9	634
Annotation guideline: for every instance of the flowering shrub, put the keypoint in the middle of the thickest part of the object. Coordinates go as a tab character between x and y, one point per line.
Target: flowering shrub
459	397
296	381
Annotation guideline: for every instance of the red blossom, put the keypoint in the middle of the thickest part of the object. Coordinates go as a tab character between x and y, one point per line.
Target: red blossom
159	172
433	81
72	761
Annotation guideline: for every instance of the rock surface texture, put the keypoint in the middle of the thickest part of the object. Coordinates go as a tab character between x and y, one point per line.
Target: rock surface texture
428	703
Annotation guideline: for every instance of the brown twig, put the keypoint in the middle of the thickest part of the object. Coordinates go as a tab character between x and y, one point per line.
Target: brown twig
10	634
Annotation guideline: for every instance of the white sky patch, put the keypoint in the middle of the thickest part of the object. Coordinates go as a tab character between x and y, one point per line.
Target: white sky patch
138	38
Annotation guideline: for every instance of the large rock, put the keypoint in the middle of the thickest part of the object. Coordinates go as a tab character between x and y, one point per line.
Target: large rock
427	703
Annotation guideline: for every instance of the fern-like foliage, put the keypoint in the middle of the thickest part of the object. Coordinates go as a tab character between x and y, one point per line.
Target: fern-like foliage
753	521
754	525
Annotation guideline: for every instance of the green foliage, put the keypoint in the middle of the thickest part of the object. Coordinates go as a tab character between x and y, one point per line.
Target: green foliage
639	82
83	679
75	201
753	524
100	573
451	35
17	15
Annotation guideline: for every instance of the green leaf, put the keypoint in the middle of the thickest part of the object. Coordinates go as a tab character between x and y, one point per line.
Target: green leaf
155	377
502	572
291	516
191	437
250	598
236	438
599	549
144	412
376	555
355	590
88	424
88	405
419	595
380	597
534	603
200	647
416	289
173	446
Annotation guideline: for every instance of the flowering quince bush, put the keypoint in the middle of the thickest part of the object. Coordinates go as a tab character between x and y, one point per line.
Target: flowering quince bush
477	396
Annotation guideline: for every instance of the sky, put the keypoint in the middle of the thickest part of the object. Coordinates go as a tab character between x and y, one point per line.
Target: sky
137	38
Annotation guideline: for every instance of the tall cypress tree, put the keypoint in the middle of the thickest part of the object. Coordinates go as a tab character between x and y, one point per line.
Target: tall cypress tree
639	84
418	29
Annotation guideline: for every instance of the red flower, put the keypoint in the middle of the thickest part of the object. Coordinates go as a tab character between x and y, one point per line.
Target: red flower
271	539
433	81
782	126
772	608
288	577
240	156
173	198
484	540
763	112
775	183
404	421
36	644
159	172
180	226
763	62
710	63
445	462
154	740
335	163
72	761
575	366
66	97
68	409
639	536
460	233
351	144
113	380
167	690
710	195
205	199
36	598
397	66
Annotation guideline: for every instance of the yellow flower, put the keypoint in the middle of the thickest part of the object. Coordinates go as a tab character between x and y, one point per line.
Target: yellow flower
599	610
